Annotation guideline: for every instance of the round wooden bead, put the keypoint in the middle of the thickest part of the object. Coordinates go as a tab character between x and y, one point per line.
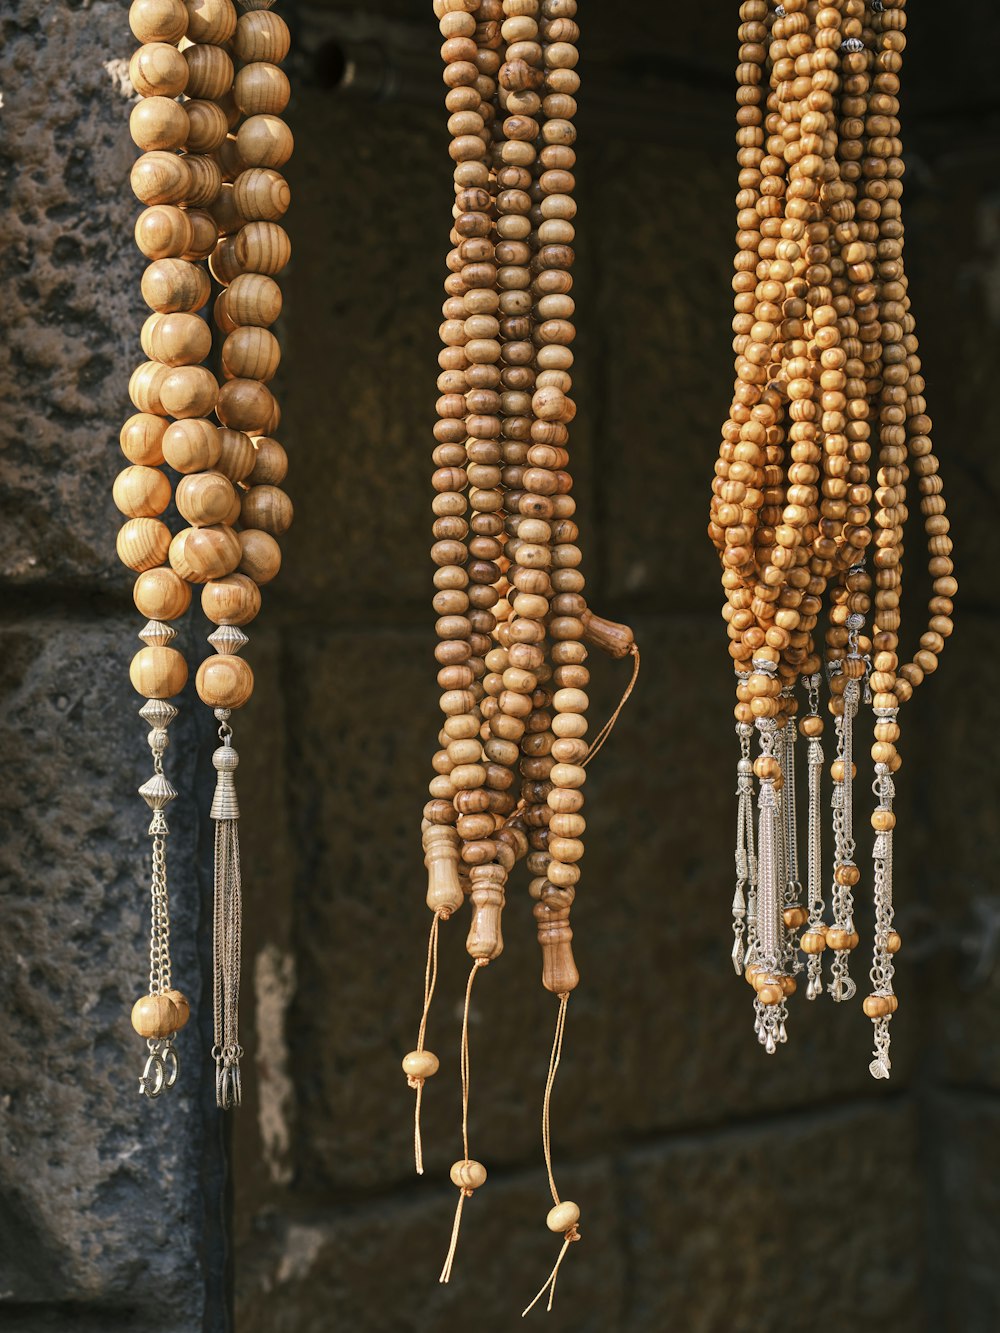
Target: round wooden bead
200	554
143	543
144	387
210	71
154	1016
158	123
813	941
468	1175
210	20
245	405
205	234
158	673
176	340
420	1064
141	492
158	20
261	194
261	35
223	681
234	600
264	141
267	508
192	445
141	439
261	555
205	498
563	1217
223	263
270	463
253	298
189	391
251	353
795	917
220	313
158	70
175	284
163	231
236	455
893	942
207	126
160	178
261	88
236	508
262	247
182	1005
206	180
161	594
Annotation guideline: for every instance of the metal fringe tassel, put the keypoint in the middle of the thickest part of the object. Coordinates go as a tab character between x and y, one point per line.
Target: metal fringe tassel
841	986
814	850
745	895
769	1023
882	1001
228	921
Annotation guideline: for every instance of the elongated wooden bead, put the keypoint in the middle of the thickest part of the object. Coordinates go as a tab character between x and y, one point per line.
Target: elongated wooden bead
261	555
175	284
200	554
158	70
158	673
161	594
262	247
160	178
233	600
141	492
163	231
141	439
192	445
205	498
158	123
261	194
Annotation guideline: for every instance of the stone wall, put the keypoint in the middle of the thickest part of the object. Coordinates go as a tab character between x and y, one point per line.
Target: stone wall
719	1189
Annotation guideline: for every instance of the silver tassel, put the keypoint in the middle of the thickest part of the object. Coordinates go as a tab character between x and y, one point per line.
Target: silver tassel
228	921
842	986
769	1019
744	897
882	964
814	851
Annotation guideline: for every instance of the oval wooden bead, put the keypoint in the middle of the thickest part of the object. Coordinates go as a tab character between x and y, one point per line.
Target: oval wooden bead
420	1064
192	445
563	1217
468	1175
158	20
265	141
253	298
176	340
158	673
262	247
204	498
251	353
261	555
158	69
200	554
267	508
141	492
224	681
210	20
245	405
144	387
261	88
261	35
141	439
161	594
205	180
205	234
210	71
236	455
270	463
160	178
158	123
233	600
207	126
154	1016
261	194
189	391
163	231
175	284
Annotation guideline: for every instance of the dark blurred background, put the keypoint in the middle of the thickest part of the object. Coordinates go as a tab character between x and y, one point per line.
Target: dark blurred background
721	1190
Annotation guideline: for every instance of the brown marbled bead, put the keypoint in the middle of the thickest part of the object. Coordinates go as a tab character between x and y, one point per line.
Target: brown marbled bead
200	554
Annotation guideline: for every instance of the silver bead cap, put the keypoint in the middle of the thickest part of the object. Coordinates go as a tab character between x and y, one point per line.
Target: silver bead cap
158	713
228	639
157	633
157	792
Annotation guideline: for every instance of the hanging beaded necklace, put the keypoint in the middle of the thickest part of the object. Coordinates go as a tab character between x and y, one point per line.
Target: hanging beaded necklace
827	375
512	617
210	195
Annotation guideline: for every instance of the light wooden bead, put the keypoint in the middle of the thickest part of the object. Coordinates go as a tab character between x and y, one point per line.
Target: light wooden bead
893	942
144	387
158	123
141	439
261	35
160	178
261	88
192	445
175	284
251	353
879	1006
206	180
163	231
612	638
210	20
158	673
813	941
268	508
189	391
270	463
200	554
261	555
236	455
262	247
224	681
839	939
176	340
265	141
261	194
234	600
204	498
210	71
468	1175
158	20
207	126
563	1217
158	70
223	263
253	298
220	313
420	1064
141	492
795	917
154	1016
182	1005
205	234
161	594
245	405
